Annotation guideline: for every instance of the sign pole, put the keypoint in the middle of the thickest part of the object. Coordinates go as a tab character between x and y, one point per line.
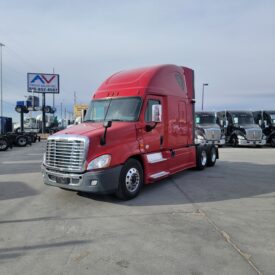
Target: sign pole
43	113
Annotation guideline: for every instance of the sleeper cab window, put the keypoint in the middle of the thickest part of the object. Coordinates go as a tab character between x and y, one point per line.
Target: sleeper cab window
180	80
148	112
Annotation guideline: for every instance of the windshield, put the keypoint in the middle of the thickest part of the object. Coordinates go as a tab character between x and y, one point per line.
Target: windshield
115	109
272	116
205	119
243	118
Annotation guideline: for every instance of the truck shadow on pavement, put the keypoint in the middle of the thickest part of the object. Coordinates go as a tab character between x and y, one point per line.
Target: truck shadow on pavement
225	181
15	189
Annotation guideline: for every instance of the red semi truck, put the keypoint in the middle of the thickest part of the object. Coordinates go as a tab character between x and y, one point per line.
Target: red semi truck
139	128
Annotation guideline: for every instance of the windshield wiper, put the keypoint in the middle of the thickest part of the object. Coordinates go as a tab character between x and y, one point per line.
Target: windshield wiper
89	120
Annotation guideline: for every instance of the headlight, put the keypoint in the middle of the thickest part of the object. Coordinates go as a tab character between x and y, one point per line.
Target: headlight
100	162
240	137
264	137
200	137
44	158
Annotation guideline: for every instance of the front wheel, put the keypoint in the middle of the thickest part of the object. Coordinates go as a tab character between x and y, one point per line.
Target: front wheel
272	142
130	180
201	158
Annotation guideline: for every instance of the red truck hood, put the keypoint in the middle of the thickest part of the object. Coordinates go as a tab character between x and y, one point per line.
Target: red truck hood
89	129
82	129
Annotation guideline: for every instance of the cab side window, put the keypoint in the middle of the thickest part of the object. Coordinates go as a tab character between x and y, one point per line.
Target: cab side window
148	112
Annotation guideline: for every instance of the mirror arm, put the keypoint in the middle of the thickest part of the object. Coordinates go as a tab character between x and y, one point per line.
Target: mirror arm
149	128
103	139
106	125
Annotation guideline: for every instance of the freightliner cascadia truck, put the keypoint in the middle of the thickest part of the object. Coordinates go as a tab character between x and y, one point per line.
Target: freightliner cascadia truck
240	128
266	120
139	128
207	129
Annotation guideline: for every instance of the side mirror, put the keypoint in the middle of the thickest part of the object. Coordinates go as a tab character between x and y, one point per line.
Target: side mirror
107	124
221	122
265	123
156	113
260	122
226	123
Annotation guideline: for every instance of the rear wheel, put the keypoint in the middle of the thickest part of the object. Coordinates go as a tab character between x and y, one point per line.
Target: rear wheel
212	156
201	157
21	141
3	144
130	180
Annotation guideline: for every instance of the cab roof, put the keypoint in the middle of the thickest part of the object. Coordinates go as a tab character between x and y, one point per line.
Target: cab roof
161	79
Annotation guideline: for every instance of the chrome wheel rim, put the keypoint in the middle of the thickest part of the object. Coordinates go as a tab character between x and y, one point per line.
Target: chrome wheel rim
132	180
203	158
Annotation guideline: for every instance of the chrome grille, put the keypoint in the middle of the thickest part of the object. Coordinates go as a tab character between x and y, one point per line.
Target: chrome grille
253	134
66	153
213	134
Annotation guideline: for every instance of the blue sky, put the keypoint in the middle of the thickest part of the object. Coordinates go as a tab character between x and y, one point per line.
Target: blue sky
229	44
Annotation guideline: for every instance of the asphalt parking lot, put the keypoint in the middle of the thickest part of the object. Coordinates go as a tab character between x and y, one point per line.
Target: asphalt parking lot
217	221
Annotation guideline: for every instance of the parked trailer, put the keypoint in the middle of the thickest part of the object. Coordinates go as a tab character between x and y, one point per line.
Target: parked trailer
266	120
20	139
139	128
208	131
240	128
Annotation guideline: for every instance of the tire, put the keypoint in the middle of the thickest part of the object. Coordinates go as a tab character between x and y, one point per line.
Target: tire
272	141
29	139
130	180
3	144
21	141
234	141
211	156
201	157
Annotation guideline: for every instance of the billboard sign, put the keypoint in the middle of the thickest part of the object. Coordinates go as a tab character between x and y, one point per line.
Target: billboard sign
43	83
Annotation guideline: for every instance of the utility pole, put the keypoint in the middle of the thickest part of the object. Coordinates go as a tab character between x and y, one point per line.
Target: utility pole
1	79
61	114
74	98
53	94
204	84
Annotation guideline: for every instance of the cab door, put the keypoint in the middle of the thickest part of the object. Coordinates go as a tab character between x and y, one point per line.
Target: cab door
153	133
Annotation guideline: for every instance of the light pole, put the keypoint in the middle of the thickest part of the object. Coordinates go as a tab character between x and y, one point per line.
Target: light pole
202	96
1	78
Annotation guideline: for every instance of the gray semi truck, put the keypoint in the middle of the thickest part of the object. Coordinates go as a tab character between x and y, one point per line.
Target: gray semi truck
208	131
266	120
240	128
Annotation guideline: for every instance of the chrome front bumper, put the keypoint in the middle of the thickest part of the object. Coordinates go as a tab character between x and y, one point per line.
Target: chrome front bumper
208	142
244	142
103	181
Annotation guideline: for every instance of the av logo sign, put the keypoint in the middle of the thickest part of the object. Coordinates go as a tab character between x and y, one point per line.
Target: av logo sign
43	83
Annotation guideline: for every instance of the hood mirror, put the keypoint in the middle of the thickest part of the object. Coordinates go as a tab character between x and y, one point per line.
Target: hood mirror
106	125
